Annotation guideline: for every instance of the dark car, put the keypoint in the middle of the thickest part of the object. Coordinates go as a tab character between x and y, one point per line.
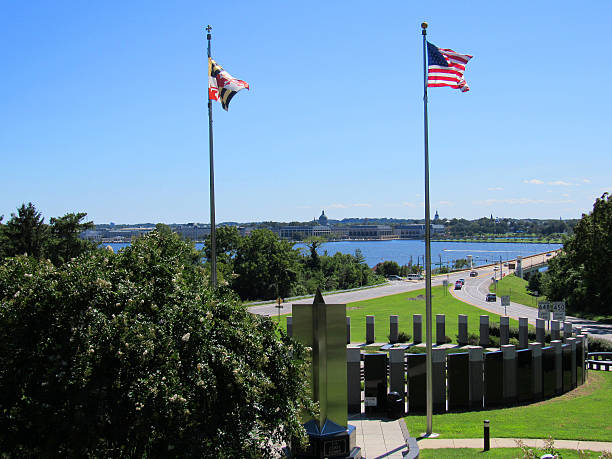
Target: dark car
474	274
462	281
458	285
491	297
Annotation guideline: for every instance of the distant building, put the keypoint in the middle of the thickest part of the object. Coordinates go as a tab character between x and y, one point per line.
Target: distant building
415	230
323	219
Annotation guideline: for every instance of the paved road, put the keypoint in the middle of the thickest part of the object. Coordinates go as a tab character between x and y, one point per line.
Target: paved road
474	293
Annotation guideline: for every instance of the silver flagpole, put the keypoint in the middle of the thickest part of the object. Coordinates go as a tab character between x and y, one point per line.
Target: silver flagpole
213	236
428	337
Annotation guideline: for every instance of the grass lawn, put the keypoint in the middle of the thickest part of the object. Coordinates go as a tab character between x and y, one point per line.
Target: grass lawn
505	453
405	305
582	414
517	289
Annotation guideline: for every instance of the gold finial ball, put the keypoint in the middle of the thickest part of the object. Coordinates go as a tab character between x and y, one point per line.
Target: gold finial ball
424	25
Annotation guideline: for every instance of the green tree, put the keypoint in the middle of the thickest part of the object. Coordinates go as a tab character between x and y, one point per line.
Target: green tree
133	355
387	268
535	282
265	266
25	233
227	241
64	242
313	243
582	274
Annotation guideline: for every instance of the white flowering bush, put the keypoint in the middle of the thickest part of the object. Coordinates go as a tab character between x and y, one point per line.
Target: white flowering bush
132	355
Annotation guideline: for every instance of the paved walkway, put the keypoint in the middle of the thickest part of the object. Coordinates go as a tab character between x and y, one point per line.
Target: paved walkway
435	443
379	438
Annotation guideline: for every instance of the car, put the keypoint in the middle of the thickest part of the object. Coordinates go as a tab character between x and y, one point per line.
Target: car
491	297
394	277
462	281
458	285
549	254
474	274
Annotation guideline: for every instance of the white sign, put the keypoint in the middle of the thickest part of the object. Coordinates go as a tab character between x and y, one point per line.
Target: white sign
544	310
370	401
558	309
505	300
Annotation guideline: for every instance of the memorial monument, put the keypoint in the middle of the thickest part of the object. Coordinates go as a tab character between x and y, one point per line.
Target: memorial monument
322	327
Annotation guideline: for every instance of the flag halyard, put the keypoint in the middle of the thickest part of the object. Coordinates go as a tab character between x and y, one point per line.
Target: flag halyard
446	68
222	86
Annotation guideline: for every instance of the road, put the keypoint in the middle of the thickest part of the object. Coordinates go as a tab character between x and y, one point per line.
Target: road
473	292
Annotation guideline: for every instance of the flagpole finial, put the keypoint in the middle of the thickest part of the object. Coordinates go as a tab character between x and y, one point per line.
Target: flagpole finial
208	30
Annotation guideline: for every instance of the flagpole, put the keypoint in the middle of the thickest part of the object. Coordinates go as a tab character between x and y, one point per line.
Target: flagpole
213	241
428	324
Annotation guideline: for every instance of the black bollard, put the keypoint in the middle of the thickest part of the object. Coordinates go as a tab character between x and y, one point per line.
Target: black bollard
487	441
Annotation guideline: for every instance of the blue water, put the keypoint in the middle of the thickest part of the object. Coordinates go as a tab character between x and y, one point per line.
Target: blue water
406	251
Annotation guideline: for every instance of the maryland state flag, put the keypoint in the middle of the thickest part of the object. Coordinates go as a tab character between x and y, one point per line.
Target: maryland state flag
221	85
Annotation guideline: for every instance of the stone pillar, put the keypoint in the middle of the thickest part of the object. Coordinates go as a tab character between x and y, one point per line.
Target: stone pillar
504	330
440	328
523	332
555	330
397	378
417	328
536	355
353	373
484	331
509	374
348	330
290	325
580	359
438	371
541	331
476	377
393	328
556	345
577	331
369	329
462	338
567	331
572	343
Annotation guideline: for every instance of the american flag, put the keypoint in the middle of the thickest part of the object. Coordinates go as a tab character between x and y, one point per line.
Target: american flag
221	85
446	67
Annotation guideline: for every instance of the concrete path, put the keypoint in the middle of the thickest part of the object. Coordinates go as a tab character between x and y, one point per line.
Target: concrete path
435	443
379	438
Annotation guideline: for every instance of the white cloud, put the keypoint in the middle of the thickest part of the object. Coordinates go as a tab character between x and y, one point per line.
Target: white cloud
304	207
586	180
337	206
362	205
522	201
565	195
560	183
409	204
446	203
534	182
495	188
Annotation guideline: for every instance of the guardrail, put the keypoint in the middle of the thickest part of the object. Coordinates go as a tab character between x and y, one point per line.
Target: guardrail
599	361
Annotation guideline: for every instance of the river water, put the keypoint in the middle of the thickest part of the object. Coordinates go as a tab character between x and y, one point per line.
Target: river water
406	251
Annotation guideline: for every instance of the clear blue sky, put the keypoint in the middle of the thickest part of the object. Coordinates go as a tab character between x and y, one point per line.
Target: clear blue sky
103	109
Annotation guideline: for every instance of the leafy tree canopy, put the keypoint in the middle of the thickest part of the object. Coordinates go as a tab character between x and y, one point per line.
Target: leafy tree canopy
132	355
582	274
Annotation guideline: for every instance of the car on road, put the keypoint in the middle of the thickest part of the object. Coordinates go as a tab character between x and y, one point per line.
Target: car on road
458	285
491	297
474	274
394	277
462	280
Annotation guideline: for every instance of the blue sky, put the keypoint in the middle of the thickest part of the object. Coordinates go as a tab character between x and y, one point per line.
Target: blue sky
104	109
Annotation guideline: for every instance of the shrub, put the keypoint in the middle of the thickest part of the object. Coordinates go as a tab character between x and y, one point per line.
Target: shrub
403	337
599	345
131	354
473	339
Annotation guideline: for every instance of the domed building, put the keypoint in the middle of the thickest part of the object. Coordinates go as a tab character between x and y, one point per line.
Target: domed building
323	219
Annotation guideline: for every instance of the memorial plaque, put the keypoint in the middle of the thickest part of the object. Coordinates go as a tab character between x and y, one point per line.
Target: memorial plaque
524	383
566	349
375	384
458	371
493	379
416	383
549	375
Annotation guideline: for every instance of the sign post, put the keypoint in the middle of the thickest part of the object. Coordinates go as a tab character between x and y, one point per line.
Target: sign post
505	301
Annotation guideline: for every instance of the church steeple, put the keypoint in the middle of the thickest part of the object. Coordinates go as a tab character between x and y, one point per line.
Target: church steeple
436	217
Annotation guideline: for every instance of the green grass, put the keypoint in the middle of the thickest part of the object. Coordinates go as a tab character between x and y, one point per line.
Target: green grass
517	289
405	305
505	453
582	414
